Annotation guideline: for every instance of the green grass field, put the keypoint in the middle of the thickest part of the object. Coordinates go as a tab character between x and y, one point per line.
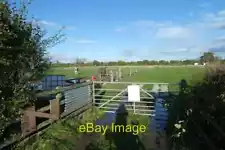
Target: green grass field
69	72
64	134
169	75
145	74
155	74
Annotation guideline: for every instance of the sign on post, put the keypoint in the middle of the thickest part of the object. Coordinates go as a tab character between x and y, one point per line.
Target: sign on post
133	93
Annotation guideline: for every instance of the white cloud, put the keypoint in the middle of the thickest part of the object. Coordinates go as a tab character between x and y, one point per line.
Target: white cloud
218	25
142	24
218	49
54	25
220	39
221	13
182	50
48	23
179	50
173	32
199	32
151	23
215	20
176	29
163	29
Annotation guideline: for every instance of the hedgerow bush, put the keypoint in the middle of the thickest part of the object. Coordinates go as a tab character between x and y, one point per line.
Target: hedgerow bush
196	109
23	45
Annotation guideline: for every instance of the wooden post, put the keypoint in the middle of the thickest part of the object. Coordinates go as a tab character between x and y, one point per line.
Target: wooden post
55	106
28	122
116	76
100	77
134	108
120	74
130	71
93	93
111	76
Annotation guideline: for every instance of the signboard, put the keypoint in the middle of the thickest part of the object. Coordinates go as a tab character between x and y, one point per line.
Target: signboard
133	93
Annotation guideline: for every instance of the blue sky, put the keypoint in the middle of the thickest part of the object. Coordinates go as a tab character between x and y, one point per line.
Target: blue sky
133	29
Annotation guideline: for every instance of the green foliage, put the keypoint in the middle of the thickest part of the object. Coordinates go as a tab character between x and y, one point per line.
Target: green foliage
61	135
126	63
65	134
196	109
23	49
96	63
208	57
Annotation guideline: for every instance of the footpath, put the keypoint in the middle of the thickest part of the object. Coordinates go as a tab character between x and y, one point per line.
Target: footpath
153	139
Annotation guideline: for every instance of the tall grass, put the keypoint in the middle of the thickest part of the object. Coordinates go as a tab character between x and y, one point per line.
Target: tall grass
64	135
61	135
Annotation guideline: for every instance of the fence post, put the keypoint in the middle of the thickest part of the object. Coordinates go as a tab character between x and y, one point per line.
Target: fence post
93	93
120	73
111	76
28	121
117	76
134	108
100	76
55	105
130	71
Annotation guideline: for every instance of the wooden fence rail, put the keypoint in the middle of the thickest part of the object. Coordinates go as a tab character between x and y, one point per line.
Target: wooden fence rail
28	122
51	112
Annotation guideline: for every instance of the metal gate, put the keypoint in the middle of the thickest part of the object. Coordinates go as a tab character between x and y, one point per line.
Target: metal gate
108	96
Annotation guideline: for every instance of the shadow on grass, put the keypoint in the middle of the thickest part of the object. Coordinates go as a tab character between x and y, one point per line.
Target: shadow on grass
124	140
119	139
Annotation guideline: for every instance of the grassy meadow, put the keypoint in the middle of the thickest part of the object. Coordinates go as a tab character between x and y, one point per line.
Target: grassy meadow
64	135
69	72
161	74
145	74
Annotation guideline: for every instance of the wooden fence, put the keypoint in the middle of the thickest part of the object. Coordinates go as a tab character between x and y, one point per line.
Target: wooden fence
29	123
54	110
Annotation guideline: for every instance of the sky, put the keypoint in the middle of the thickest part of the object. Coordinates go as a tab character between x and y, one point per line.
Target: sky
133	29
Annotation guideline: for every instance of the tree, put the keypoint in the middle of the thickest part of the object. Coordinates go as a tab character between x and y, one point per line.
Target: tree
145	62
80	61
121	62
208	57
23	49
96	63
163	62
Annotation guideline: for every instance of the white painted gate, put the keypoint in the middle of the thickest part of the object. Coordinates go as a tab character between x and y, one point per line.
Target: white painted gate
138	97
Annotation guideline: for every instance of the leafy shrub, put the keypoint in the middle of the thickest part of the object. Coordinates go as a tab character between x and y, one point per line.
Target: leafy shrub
23	48
195	110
